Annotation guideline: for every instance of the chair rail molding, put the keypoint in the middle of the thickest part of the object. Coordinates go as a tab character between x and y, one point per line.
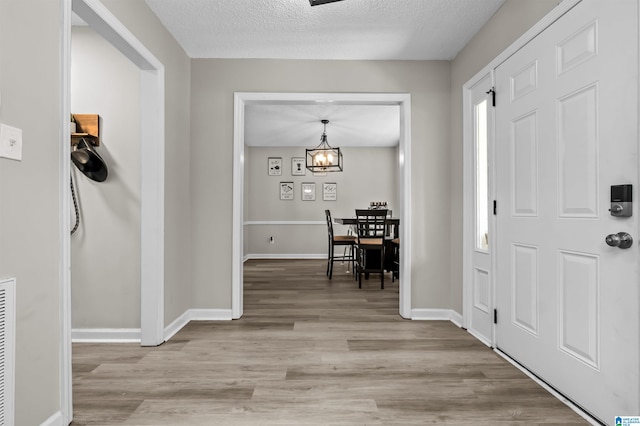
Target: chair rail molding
285	222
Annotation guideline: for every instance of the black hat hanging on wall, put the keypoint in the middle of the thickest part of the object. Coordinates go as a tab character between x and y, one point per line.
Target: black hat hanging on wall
89	162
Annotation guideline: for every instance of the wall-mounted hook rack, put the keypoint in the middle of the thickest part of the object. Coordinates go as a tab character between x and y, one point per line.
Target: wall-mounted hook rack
88	127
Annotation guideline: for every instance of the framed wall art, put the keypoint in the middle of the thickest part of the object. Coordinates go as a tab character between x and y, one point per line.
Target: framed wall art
274	166
308	191
298	166
286	190
329	191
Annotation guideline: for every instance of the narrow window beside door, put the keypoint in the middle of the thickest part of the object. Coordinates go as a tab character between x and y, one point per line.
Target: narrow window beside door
482	175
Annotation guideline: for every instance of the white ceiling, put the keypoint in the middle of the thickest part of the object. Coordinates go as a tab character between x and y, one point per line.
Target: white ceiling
299	125
348	29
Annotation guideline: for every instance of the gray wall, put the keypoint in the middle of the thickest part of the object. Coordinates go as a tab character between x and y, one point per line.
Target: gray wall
144	24
370	174
105	250
214	82
512	20
29	205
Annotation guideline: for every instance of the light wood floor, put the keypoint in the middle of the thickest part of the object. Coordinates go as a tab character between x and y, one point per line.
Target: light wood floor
309	351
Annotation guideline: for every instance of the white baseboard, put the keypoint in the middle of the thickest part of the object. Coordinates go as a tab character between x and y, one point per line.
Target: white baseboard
437	315
285	256
196	315
132	335
456	318
176	325
56	420
480	337
127	335
105	335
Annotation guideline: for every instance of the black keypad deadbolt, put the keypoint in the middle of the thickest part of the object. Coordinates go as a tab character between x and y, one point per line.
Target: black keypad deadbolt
621	200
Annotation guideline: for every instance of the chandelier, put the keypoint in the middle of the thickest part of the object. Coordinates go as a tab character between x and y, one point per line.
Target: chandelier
324	158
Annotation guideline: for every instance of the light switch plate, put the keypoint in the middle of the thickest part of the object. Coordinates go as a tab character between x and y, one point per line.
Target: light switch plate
10	142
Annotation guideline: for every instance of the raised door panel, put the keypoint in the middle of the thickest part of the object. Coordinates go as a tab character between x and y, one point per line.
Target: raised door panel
482	305
577	48
481	290
524	137
578	287
577	124
524	81
524	292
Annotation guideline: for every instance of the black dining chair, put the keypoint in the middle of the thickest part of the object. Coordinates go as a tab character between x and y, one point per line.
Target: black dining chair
371	228
395	269
346	241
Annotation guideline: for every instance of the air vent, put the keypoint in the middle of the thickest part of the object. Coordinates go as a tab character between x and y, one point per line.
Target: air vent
7	345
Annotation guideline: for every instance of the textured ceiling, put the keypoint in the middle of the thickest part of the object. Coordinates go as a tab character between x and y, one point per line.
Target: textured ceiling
299	125
349	29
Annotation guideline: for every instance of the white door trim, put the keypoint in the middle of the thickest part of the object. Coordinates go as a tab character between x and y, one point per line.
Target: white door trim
94	13
404	156
66	393
467	154
546	21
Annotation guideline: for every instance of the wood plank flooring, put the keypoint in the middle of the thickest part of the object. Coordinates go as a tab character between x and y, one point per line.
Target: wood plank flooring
309	351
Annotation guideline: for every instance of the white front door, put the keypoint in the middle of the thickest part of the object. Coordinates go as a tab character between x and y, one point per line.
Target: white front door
566	131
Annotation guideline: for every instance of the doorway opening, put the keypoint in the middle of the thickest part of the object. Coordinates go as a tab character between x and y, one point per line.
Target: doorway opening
103	22
242	100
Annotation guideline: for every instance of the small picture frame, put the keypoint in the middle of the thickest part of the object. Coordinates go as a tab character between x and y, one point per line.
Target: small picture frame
329	191
298	166
274	166
286	190
308	191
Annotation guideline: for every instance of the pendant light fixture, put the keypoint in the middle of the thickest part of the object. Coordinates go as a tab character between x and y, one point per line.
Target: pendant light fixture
324	158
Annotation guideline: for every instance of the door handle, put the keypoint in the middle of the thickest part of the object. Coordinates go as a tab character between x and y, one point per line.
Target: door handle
621	240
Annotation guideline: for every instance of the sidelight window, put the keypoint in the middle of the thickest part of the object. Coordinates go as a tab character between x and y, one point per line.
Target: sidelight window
481	175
